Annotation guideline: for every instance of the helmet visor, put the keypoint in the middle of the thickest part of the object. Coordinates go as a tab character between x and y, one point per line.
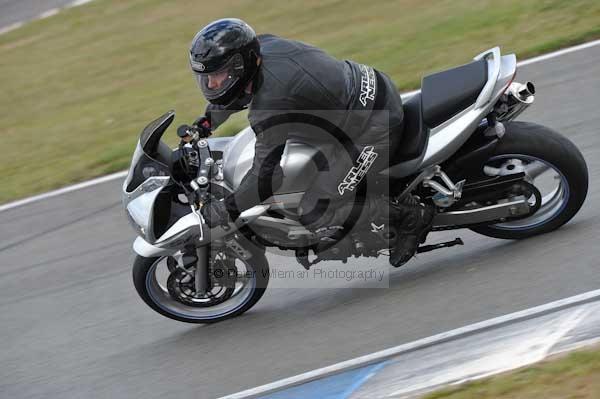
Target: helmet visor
215	84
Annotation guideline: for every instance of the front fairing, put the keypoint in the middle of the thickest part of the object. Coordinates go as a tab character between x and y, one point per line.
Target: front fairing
163	224
145	194
150	158
140	204
143	168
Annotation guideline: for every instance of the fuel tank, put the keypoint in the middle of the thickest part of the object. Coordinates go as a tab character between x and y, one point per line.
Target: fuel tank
298	162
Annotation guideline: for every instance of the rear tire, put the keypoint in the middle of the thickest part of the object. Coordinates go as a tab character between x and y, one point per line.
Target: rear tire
534	141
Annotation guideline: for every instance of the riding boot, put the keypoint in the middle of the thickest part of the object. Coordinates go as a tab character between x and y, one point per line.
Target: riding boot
414	223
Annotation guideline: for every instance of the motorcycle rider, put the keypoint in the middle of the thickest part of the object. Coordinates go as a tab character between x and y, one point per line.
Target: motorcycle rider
269	76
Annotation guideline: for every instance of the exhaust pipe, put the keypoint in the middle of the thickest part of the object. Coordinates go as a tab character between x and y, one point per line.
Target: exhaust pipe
519	96
523	92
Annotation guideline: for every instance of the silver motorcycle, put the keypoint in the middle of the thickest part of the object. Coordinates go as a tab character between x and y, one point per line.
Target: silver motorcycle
479	168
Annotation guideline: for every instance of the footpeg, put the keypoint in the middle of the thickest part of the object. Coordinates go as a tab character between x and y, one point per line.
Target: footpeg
427	248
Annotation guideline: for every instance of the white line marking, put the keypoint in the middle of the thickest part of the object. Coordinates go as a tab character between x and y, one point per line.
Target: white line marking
43	15
79	3
533	60
558	53
103	179
48	13
10	27
404	95
419	344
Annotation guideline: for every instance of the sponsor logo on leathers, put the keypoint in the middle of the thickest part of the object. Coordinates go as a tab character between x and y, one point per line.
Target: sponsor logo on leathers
367	84
356	174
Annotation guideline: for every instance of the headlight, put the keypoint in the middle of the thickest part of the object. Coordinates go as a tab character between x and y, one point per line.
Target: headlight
149	171
153	170
152	184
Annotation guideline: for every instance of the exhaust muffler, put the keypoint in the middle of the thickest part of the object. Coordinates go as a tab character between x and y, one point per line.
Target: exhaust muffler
517	98
523	92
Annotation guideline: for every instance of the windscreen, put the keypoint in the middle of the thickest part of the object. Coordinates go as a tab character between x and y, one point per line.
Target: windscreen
145	163
150	136
142	168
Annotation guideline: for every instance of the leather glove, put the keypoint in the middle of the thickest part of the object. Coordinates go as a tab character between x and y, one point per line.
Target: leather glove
215	213
202	125
184	131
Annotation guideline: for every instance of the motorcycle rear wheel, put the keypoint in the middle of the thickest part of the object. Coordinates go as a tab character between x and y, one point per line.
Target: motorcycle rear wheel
542	154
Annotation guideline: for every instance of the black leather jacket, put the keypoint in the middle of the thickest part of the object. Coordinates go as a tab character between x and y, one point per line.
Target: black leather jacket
295	76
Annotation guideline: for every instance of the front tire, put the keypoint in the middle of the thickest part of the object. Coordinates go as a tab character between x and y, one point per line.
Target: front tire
151	287
525	144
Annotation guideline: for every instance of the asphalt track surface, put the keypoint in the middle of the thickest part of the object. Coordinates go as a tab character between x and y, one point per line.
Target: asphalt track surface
72	325
14	11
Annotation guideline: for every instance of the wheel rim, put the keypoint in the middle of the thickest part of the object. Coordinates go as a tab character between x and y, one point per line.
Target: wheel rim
156	285
547	178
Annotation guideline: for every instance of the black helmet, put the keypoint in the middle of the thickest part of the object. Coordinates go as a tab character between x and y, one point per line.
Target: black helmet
224	51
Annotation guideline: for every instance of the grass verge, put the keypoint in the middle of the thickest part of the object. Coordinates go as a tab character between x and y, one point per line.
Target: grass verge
79	86
576	376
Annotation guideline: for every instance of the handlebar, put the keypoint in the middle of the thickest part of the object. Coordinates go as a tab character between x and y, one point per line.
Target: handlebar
195	135
200	183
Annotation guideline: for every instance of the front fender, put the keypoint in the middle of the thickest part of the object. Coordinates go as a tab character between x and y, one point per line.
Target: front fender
143	248
147	250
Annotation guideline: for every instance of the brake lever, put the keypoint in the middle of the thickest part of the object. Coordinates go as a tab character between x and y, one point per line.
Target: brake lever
201	221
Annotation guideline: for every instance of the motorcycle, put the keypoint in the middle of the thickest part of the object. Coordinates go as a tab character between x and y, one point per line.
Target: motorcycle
481	169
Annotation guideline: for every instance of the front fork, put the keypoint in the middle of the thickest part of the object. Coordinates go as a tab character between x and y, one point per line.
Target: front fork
202	277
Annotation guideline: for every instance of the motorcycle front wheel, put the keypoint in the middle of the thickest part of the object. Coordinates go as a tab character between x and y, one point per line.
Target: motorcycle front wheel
237	285
553	164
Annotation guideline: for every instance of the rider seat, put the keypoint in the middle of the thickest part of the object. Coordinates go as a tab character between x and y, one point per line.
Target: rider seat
445	94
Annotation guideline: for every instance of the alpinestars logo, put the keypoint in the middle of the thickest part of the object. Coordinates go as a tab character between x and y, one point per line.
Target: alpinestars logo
356	174
367	84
